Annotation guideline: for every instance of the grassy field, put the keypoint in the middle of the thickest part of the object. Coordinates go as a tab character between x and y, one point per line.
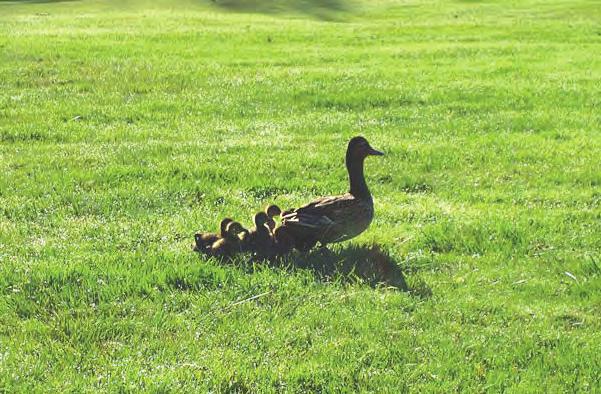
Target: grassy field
123	130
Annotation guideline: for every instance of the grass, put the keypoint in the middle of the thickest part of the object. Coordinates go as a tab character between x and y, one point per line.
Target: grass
125	129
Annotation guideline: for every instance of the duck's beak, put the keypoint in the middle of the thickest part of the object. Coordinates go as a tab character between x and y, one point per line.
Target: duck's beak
374	152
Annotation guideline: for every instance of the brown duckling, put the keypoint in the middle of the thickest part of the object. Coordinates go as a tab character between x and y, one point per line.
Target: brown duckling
259	240
272	211
338	218
230	244
283	241
203	241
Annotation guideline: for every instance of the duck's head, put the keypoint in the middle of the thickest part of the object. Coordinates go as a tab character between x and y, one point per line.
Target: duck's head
273	211
234	228
260	219
359	149
223	225
197	242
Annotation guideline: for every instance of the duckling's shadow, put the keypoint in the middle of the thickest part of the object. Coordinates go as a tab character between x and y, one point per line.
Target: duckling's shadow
367	264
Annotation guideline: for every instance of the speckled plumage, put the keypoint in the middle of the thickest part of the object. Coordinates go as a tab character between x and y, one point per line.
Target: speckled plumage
331	219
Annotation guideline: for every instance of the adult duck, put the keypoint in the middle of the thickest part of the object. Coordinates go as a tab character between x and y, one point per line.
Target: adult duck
338	218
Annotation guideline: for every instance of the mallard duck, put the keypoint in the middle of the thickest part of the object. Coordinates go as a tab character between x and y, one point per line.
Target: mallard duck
203	241
272	211
339	218
258	240
230	244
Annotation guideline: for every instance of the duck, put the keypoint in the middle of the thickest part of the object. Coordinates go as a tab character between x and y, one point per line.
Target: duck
336	218
283	241
231	243
259	240
203	241
272	211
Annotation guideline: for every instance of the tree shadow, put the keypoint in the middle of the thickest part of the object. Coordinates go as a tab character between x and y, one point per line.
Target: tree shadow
322	9
18	2
33	1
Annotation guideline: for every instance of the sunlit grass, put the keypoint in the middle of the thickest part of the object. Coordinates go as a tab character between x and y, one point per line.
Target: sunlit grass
125	129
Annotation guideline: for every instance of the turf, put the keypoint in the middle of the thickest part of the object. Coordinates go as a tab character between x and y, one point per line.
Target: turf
126	128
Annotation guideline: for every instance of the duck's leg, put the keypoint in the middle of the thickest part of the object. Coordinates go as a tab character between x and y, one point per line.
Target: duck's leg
305	249
323	245
325	251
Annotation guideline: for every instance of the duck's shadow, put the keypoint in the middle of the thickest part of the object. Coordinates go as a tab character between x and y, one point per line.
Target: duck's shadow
353	263
368	264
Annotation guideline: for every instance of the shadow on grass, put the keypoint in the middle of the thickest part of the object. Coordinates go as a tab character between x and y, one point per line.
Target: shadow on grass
353	263
367	264
322	9
34	1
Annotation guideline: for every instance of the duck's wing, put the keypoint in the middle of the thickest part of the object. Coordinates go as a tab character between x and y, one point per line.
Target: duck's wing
322	218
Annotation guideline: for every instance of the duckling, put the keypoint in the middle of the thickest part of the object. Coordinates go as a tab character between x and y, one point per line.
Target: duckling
283	240
230	244
205	240
272	211
259	238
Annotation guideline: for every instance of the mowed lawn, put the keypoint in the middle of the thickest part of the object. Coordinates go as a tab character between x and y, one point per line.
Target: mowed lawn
126	128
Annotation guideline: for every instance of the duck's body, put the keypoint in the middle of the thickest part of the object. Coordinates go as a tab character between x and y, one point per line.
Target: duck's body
331	219
283	241
230	244
259	240
203	241
337	218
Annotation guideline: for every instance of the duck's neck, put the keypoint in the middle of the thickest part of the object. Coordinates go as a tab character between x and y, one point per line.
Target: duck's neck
261	228
357	179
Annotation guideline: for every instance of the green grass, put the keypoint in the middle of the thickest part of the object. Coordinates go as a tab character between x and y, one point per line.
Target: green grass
123	130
